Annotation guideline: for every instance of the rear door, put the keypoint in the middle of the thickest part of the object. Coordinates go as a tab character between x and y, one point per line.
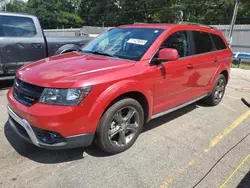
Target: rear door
205	60
21	42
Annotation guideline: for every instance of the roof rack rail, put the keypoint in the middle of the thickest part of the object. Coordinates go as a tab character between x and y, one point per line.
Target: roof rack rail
139	23
193	23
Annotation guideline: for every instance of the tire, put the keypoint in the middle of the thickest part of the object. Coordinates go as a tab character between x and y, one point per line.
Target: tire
120	126
218	91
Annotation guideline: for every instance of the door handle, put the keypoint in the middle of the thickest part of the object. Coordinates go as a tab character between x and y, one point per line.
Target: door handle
190	66
36	45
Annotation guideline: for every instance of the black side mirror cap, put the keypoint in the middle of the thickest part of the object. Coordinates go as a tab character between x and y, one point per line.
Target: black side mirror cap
154	61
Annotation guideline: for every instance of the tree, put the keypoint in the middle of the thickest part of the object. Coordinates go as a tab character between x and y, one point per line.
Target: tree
243	12
116	12
55	13
16	6
99	12
71	13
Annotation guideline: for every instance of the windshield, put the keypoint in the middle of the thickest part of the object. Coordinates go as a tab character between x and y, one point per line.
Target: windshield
125	43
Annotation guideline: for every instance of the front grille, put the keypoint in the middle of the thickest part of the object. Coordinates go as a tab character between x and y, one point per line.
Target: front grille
26	93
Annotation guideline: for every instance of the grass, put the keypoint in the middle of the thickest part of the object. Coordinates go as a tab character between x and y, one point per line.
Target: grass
233	66
242	65
245	66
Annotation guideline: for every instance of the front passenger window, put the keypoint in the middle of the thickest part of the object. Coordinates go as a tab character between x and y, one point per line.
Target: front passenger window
178	41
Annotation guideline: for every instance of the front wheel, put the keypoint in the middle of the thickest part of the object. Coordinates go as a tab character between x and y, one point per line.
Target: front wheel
120	126
218	91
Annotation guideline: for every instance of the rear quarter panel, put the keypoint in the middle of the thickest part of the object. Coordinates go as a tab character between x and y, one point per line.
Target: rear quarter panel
225	58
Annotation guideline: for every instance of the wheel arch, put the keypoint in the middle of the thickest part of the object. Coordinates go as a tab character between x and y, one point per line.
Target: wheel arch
225	73
67	48
119	91
136	95
221	70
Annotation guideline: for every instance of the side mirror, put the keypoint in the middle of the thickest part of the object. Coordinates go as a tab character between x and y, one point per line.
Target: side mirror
168	54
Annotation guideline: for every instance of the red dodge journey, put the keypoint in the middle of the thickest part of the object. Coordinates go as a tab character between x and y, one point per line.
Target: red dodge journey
107	90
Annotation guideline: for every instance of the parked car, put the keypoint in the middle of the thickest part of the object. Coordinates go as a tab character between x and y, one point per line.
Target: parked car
116	83
22	41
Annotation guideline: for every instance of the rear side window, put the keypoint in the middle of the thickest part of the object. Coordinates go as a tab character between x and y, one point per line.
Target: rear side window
13	26
202	42
219	43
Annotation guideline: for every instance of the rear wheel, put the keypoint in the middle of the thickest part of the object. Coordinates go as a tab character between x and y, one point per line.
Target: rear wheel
218	91
120	126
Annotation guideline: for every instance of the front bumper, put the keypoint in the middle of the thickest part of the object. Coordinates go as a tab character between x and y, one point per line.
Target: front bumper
28	133
66	120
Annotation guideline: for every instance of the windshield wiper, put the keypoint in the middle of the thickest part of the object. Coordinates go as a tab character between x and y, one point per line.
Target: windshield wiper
99	53
102	53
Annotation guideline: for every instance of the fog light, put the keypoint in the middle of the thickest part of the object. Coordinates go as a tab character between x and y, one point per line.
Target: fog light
49	137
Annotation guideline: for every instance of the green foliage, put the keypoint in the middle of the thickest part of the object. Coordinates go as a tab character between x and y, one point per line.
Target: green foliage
16	6
99	12
243	64
74	13
51	13
55	13
68	19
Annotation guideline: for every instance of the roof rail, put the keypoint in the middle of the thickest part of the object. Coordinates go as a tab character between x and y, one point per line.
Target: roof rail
198	24
139	23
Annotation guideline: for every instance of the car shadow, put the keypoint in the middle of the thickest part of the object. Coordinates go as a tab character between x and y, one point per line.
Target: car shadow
48	156
245	182
59	156
169	117
6	84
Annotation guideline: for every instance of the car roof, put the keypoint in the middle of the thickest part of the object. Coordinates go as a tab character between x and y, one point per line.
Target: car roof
144	25
15	14
188	26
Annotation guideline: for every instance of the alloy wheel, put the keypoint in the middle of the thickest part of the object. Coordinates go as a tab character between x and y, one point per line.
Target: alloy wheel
219	90
123	126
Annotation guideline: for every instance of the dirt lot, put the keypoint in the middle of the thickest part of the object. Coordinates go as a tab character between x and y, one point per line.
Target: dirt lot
198	146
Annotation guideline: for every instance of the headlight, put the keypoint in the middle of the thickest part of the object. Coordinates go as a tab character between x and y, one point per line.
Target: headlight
66	97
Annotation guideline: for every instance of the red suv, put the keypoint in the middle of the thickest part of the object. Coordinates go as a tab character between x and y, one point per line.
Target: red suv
116	83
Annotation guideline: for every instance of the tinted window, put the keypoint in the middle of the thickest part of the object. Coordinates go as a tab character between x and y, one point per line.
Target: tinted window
12	26
178	41
219	43
202	42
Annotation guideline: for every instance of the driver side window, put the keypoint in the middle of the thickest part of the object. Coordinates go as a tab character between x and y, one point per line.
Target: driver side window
178	41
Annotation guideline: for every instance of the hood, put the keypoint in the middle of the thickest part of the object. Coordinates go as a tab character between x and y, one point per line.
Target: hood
64	70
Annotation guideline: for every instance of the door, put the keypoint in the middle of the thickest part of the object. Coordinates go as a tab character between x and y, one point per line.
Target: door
20	43
173	86
205	61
